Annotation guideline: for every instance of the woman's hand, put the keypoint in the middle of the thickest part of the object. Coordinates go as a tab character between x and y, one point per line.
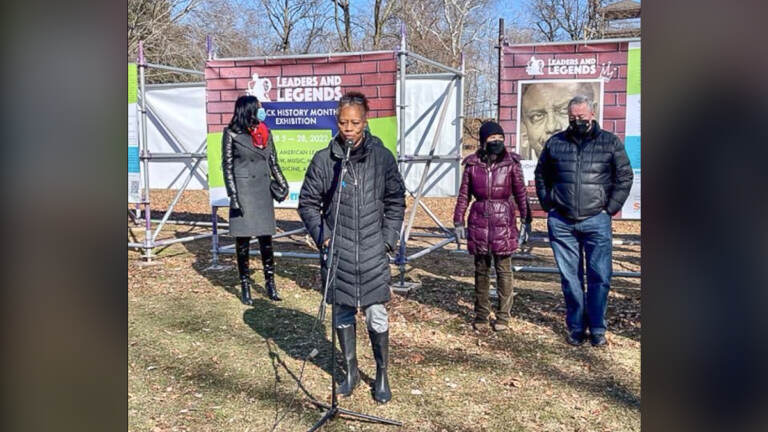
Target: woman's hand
460	232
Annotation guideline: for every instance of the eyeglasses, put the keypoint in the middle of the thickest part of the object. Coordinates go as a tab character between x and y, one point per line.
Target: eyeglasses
352	99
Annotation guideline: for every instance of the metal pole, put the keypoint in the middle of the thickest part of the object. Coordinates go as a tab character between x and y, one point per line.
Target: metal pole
174	69
400	258
435	64
144	150
431	215
460	120
176	199
401	56
215	238
554	270
182	239
174	156
498	72
215	241
436	246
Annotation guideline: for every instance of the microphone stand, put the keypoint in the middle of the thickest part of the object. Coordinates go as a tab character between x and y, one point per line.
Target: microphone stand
333	410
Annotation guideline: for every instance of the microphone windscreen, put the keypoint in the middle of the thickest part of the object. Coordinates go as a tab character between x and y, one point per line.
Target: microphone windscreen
349	143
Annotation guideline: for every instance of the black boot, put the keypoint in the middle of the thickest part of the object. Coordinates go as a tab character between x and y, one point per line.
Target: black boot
241	244
268	261
380	344
347	339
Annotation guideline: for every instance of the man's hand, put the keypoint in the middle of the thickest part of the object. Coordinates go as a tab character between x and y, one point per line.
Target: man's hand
525	233
326	243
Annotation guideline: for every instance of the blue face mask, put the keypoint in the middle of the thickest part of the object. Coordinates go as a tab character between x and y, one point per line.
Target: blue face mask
261	114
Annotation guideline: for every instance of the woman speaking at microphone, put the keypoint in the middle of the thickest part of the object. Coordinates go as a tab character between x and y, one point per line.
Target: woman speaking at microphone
370	216
248	160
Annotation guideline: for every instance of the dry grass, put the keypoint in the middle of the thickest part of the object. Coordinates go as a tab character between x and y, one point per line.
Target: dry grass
201	361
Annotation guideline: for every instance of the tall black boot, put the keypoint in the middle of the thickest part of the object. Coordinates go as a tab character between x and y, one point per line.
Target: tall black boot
380	344
347	341
241	244
268	261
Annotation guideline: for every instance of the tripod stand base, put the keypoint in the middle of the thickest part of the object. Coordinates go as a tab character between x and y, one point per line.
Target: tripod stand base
334	412
405	287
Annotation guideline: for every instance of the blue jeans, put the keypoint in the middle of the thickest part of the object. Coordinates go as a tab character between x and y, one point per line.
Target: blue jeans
568	238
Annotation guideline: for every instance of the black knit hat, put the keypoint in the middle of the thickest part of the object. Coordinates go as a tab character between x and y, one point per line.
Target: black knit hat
488	129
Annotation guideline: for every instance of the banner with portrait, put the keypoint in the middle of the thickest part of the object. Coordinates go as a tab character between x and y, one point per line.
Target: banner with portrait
538	80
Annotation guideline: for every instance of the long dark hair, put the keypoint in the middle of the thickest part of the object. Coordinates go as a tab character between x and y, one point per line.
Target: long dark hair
245	114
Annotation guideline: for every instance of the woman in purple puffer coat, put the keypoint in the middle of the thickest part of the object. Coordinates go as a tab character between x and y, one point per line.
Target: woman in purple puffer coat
493	176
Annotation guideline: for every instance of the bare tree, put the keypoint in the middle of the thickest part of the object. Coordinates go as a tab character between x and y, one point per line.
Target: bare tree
565	19
544	17
287	17
345	38
383	13
452	25
151	20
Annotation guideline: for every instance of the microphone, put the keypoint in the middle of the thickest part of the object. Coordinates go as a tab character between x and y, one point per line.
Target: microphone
349	144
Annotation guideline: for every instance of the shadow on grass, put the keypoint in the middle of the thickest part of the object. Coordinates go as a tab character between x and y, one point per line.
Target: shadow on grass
599	384
294	332
441	289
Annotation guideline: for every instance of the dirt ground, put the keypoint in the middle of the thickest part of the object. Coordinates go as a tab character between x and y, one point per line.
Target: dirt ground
199	360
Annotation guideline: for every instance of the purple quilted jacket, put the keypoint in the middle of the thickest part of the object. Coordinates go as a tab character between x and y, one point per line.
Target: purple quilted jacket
491	227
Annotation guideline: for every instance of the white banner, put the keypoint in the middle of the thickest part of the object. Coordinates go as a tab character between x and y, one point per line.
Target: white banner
176	124
424	98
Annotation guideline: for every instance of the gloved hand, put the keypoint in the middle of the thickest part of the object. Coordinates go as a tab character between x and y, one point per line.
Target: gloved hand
460	232
234	204
525	233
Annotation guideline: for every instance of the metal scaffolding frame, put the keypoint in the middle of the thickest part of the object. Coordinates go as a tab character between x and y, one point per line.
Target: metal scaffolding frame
192	159
401	258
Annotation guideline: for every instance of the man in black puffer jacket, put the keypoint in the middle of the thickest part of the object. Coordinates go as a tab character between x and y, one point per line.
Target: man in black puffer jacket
370	217
583	178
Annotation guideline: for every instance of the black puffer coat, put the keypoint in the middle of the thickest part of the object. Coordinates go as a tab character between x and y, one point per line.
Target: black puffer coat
370	217
580	178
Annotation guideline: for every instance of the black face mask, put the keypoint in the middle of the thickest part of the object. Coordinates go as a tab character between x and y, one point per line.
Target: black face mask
579	127
494	147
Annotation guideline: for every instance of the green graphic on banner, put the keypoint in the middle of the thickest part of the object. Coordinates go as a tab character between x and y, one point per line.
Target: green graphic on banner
633	71
386	129
132	84
295	149
215	176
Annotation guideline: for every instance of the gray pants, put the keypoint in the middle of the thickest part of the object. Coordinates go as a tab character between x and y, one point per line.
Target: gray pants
376	317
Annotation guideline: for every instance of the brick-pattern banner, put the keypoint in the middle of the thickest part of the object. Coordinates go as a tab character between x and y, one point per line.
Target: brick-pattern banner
300	96
536	83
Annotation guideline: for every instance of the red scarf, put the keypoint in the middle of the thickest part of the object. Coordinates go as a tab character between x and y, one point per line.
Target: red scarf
259	135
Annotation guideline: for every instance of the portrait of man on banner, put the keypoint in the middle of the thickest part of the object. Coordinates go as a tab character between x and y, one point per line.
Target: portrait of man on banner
543	110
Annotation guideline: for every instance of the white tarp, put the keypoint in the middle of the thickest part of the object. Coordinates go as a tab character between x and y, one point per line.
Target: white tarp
424	97
181	108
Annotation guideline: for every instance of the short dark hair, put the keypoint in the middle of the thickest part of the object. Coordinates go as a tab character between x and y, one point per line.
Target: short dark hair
353	98
246	108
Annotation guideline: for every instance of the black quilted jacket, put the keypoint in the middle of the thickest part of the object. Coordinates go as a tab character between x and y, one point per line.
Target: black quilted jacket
580	178
370	217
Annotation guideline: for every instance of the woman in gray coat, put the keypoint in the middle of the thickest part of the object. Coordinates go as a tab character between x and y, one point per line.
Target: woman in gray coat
248	161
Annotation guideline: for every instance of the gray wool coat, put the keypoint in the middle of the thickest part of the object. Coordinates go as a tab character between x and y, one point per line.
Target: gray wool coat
247	174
